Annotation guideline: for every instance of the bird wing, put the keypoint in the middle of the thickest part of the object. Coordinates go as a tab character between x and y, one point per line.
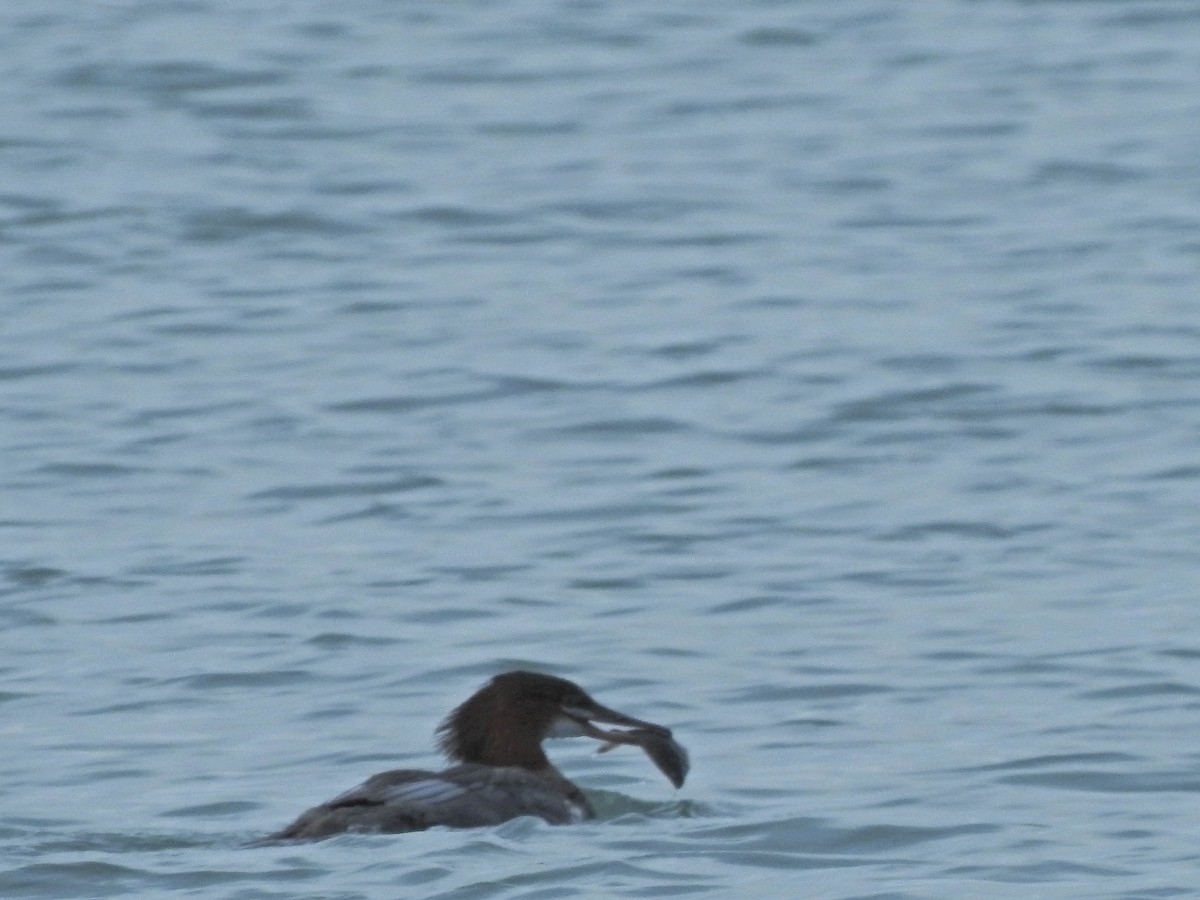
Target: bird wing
464	796
409	787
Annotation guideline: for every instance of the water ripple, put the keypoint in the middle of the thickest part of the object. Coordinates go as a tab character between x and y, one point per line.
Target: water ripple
820	389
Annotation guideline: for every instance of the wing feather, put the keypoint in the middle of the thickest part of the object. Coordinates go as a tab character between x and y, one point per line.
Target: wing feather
465	796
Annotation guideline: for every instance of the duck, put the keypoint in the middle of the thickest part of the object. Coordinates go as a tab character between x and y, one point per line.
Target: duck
500	770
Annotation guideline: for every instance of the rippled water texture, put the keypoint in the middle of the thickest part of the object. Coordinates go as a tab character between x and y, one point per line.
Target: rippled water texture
820	379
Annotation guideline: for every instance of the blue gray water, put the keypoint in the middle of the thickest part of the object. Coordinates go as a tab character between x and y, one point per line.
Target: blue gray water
819	379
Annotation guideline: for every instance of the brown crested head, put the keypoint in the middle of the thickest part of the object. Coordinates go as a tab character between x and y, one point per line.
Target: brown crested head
505	721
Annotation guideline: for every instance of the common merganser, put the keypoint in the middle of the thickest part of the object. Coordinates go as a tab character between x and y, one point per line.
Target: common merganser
496	737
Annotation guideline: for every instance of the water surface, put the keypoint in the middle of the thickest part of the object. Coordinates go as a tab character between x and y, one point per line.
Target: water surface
819	379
